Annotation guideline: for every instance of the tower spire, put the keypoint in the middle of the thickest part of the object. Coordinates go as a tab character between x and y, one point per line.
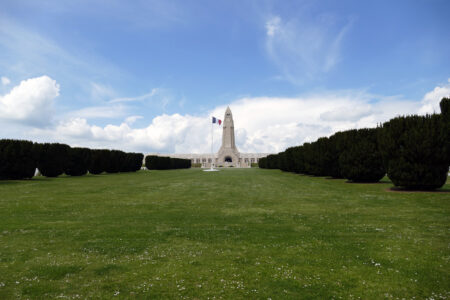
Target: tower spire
228	153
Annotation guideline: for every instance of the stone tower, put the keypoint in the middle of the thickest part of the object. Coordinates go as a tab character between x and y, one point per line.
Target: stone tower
228	154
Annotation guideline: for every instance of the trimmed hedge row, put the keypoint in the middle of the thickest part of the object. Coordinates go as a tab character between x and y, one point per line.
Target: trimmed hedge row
19	160
154	162
414	151
349	154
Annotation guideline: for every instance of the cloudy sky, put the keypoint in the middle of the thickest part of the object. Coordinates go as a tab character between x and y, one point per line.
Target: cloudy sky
148	75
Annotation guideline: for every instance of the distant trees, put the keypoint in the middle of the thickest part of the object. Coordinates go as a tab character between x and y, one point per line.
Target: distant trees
414	151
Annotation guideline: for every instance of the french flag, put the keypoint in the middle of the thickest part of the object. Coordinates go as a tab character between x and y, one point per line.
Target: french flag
215	120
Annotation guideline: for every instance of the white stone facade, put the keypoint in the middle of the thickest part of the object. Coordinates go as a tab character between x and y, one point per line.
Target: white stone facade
228	155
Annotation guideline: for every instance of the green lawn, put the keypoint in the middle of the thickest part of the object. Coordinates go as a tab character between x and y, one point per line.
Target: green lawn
237	233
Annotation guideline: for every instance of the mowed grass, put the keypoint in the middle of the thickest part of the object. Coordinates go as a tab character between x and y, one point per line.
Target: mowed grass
237	233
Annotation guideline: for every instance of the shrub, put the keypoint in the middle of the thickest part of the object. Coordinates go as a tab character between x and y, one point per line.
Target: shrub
153	162
99	161
445	113
334	151
136	161
298	159
18	159
321	159
254	165
115	163
180	163
272	161
78	160
196	165
52	159
262	163
361	160
414	151
286	159
445	107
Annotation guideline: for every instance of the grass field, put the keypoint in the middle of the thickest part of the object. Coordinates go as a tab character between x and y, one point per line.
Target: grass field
237	233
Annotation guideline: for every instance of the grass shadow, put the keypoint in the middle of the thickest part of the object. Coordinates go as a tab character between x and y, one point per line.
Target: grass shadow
368	182
406	190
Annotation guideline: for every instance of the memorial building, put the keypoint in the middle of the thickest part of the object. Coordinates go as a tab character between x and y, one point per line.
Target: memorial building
228	154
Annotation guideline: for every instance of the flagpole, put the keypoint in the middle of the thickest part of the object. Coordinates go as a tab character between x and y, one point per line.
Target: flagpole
212	143
212	146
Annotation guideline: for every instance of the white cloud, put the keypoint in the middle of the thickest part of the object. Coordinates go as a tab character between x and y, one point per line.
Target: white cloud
5	80
94	112
131	119
157	97
138	98
263	124
31	101
166	133
272	25
305	48
101	92
431	100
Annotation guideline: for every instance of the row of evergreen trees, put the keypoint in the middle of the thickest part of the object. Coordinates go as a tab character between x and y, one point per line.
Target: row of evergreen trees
154	162
414	151
19	160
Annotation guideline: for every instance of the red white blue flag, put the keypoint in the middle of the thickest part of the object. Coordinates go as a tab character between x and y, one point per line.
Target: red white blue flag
215	120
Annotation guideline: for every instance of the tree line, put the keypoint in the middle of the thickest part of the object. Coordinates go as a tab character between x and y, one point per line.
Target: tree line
19	160
414	152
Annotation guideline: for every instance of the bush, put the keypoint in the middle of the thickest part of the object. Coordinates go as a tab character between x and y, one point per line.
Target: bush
254	165
262	163
445	107
78	160
153	162
272	161
298	159
445	113
52	159
116	161
99	161
136	160
320	158
196	165
180	163
361	160
18	159
414	151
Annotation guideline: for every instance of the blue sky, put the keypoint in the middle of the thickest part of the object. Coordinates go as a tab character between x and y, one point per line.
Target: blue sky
147	75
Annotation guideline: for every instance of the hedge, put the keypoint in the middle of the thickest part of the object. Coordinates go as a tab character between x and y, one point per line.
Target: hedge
78	160
99	161
52	159
361	160
154	162
415	151
18	159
